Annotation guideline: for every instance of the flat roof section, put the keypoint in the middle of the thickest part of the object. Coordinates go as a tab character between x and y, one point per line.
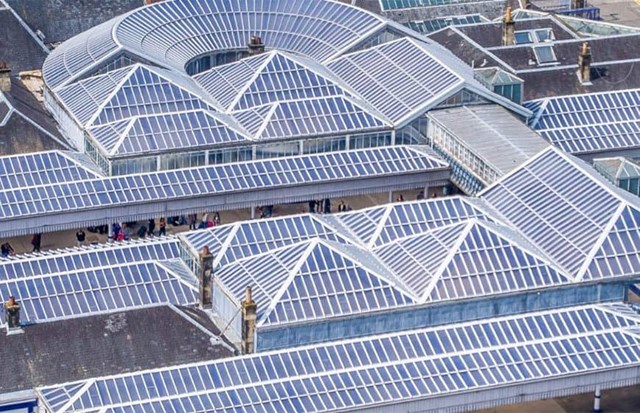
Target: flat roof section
492	133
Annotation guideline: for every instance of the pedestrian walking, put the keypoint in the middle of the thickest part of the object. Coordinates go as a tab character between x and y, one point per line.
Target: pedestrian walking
80	237
192	218
36	241
152	226
162	227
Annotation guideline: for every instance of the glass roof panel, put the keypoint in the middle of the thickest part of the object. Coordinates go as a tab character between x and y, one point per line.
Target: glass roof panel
347	373
591	122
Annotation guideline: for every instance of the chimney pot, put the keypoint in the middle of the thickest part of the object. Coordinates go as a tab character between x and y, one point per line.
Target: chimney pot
206	278
12	314
249	318
255	45
5	78
584	63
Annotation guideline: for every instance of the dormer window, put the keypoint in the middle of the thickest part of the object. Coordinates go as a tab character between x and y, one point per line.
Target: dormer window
545	55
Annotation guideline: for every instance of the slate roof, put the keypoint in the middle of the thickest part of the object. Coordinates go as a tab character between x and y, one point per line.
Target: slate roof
28	128
18	48
82	348
61	20
561	82
490	34
613	65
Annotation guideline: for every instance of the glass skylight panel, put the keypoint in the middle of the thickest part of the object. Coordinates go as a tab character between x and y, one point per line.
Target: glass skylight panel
174	131
83	98
94	290
619	252
523	37
41	168
284	79
147	93
363	373
544	54
166	185
316	117
588	123
568	231
416	76
79	261
329	283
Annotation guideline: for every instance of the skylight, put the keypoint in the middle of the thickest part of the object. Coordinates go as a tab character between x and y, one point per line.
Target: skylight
545	54
533	36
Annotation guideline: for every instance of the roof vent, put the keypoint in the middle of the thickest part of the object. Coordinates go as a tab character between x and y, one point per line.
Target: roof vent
255	45
584	64
508	28
5	78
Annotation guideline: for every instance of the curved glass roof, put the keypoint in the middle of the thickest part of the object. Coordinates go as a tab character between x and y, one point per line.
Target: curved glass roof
180	30
312	81
172	33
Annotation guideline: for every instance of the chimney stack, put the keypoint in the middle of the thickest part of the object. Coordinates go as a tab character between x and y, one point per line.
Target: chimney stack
508	29
12	316
578	4
5	78
206	278
249	318
255	46
584	63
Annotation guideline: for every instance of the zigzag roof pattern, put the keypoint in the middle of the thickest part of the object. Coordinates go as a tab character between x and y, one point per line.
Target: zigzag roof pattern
552	222
314	279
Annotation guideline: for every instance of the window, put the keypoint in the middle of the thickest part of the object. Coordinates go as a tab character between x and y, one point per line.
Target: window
533	36
523	37
545	54
544	35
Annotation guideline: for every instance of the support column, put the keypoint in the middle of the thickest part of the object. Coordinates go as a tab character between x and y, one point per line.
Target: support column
249	317
110	233
596	400
390	196
253	212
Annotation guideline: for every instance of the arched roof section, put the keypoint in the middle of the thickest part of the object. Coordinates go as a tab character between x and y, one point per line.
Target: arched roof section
79	53
175	32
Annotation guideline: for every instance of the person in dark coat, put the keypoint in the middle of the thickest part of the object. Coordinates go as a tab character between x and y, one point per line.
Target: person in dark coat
36	241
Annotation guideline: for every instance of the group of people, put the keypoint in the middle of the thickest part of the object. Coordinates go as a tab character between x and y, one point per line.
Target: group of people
7	250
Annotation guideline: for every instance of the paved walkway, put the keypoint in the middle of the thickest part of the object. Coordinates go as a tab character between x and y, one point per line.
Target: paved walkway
65	239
